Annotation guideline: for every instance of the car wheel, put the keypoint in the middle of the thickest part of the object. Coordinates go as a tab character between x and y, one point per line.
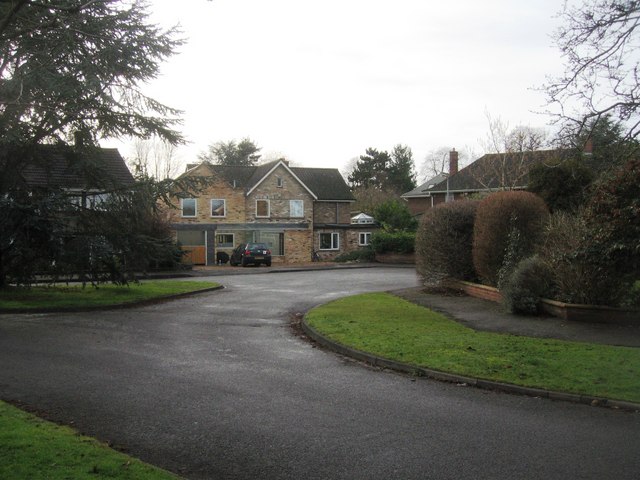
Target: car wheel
268	264
244	262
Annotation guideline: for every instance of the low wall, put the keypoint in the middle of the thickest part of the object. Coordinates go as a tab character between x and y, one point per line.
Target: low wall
589	313
402	258
566	311
476	290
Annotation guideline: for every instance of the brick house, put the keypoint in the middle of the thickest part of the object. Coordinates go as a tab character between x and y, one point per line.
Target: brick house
294	210
489	173
58	167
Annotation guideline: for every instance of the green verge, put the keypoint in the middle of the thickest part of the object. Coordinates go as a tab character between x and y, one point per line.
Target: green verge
75	296
36	449
390	327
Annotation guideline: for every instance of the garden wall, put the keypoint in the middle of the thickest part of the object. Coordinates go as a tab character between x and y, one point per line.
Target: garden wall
566	311
400	258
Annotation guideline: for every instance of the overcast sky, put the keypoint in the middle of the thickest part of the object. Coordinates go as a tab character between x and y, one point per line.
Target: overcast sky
319	82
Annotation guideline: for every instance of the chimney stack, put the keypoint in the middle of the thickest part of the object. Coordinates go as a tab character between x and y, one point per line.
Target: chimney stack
588	147
453	162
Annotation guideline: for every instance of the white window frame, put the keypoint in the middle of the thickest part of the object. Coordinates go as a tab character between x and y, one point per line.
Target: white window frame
224	206
195	207
268	208
335	240
301	208
225	245
367	238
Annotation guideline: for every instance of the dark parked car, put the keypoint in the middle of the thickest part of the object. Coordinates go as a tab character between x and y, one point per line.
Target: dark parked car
247	253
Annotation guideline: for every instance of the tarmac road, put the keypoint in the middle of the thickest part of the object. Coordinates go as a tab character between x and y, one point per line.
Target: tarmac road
216	386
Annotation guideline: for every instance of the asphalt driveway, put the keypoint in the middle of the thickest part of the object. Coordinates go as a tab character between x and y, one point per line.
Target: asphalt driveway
216	386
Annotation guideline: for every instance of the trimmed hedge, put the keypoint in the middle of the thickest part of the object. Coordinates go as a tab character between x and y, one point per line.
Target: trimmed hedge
393	242
497	218
444	242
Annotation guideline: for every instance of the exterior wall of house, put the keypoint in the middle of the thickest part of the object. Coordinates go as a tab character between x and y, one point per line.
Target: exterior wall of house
352	237
279	198
297	246
332	212
417	206
291	233
235	206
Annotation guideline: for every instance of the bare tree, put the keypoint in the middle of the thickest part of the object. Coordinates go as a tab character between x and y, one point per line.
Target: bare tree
509	155
155	158
599	43
436	162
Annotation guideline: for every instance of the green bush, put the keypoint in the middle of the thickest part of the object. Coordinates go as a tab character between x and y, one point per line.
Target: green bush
364	255
393	242
444	242
497	216
562	186
394	216
612	215
528	283
595	253
576	280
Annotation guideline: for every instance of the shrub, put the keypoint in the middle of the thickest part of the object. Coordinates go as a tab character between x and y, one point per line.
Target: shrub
529	281
444	241
612	215
562	186
364	255
576	281
394	216
595	254
398	242
496	217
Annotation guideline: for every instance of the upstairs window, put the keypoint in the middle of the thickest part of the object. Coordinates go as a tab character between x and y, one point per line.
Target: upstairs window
263	208
218	208
296	208
188	207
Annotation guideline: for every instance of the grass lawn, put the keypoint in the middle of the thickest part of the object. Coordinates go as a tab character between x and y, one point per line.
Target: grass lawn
36	449
393	328
74	296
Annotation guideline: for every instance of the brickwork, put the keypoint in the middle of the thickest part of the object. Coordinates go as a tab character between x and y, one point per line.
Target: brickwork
418	205
240	219
279	198
297	246
332	212
234	198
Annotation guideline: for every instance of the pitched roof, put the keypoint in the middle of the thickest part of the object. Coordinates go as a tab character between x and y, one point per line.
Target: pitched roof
326	183
323	183
424	189
60	166
494	171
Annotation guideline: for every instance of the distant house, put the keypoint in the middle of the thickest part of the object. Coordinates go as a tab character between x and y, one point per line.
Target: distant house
87	178
294	210
489	173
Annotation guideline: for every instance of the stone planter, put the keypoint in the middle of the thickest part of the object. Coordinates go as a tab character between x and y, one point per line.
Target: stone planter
566	311
590	313
476	290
